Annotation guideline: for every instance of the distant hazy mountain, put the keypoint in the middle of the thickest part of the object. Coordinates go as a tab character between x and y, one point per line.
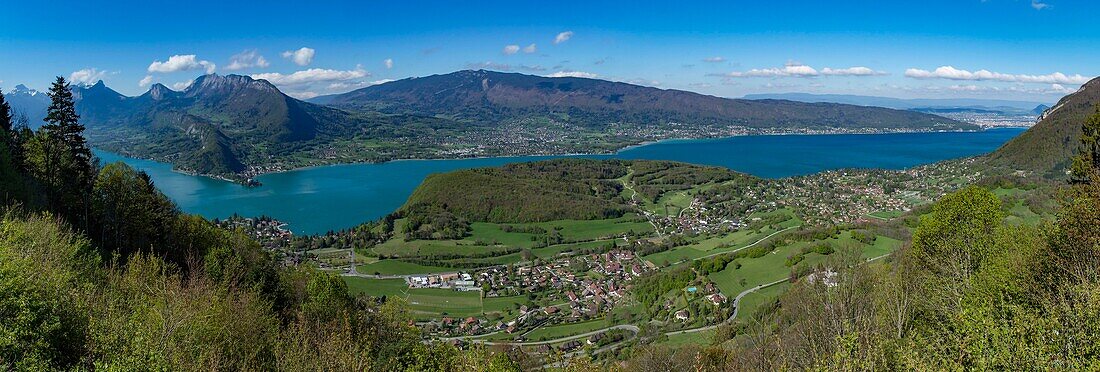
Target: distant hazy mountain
1038	110
1047	147
904	104
493	97
29	102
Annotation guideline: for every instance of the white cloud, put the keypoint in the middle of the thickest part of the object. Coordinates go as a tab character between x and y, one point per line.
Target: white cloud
851	71
87	76
1039	5
1020	88
303	95
795	69
578	74
714	59
183	85
790	69
639	81
312	75
510	49
563	37
951	73
530	49
145	81
489	65
184	62
388	62
247	59
301	57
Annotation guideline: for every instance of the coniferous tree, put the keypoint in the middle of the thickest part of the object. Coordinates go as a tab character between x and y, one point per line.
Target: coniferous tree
10	179
58	157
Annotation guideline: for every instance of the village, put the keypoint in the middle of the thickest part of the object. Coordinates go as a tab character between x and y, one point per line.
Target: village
577	288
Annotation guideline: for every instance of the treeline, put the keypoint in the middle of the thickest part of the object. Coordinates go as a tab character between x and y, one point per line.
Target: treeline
98	270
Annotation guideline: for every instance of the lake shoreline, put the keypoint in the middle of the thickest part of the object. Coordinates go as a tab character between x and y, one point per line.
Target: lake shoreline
332	197
243	182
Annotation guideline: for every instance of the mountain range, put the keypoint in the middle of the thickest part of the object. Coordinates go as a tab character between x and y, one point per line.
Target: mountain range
28	102
235	126
489	96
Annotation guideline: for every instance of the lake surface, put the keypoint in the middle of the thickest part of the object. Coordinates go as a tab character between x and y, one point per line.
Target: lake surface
315	200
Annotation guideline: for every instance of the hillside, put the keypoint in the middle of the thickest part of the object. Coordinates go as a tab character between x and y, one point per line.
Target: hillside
1047	147
498	97
564	189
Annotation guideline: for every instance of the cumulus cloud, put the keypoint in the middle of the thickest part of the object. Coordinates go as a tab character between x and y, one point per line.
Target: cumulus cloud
530	49
183	85
247	59
851	71
714	59
182	62
578	74
795	69
388	62
1020	88
510	49
563	37
313	75
87	76
489	65
300	57
1039	5
145	81
640	81
952	73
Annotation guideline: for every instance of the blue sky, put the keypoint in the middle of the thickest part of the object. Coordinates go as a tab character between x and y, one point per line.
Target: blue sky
1011	49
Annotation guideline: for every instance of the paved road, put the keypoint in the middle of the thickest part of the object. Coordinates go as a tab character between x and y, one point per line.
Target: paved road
739	249
629	327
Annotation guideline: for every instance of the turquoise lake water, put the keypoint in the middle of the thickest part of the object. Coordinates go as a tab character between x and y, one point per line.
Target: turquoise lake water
315	200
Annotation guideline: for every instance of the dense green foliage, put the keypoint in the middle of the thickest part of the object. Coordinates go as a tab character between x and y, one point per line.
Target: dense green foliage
562	189
526	192
126	282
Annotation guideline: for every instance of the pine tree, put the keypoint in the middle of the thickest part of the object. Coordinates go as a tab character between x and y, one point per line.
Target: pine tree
6	119
59	159
63	123
10	178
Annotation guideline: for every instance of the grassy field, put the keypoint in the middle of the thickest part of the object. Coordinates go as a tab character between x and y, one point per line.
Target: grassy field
445	302
716	245
395	267
752	301
377	287
695	338
886	215
772	266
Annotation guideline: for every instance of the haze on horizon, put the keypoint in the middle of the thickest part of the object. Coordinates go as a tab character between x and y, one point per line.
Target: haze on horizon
1037	50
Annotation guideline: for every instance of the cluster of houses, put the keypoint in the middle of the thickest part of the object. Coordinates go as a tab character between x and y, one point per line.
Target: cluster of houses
456	281
710	293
